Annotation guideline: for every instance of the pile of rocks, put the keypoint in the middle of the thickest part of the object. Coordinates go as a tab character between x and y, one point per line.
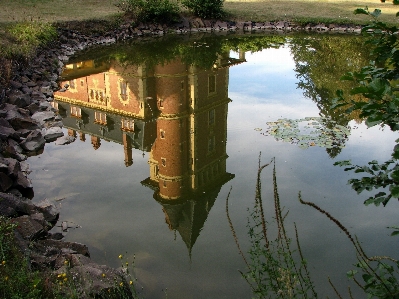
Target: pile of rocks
28	121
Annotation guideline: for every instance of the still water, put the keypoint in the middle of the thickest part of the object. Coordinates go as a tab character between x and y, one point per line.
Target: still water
164	129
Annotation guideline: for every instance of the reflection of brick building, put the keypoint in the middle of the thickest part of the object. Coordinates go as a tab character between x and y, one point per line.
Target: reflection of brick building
178	112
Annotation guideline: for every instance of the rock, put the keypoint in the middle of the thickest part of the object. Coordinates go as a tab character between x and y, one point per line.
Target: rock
49	211
43	116
14	150
28	228
71	246
13	206
15	84
52	133
65	140
5	182
33	142
97	281
20	100
33	108
22	123
23	182
8	132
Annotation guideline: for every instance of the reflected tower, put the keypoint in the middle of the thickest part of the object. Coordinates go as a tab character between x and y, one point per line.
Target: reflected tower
176	111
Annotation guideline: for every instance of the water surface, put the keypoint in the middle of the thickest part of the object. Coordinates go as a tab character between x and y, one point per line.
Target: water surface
165	129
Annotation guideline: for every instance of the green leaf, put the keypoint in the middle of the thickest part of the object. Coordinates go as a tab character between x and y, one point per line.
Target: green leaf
361	11
348	76
360	89
351	274
379	86
373	120
343	163
394	191
394	233
395	175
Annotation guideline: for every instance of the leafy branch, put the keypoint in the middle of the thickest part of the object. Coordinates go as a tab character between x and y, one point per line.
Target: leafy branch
376	97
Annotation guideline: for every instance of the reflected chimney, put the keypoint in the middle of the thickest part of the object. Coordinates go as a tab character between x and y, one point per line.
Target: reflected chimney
71	133
127	147
96	142
82	136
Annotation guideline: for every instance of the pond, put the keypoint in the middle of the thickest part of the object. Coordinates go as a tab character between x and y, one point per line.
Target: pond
165	128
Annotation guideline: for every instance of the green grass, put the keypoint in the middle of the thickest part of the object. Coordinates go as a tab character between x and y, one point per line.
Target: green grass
16	280
331	11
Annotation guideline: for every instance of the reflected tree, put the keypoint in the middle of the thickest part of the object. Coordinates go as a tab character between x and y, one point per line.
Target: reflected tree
320	61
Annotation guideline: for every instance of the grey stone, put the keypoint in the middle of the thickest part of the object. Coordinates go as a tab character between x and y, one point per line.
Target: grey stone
71	246
22	123
49	211
20	100
28	228
43	116
52	133
44	105
34	141
5	182
65	140
8	132
23	182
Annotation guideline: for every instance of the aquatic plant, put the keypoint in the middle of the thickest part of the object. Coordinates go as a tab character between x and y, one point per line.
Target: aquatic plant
379	273
274	272
274	267
309	131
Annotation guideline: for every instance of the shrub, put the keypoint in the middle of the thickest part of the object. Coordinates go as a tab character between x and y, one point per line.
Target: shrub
159	11
208	9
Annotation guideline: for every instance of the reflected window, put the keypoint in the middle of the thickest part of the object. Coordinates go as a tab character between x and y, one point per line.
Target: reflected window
211	144
212	84
100	117
127	124
211	117
162	133
76	111
123	89
163	162
72	84
160	103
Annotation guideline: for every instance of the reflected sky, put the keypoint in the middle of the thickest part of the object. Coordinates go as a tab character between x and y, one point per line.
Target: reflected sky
115	214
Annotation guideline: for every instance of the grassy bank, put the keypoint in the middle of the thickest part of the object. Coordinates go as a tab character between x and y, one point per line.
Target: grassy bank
29	15
256	10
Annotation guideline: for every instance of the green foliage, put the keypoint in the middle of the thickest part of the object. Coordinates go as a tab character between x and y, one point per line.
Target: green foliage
379	273
380	176
275	269
320	61
207	9
158	11
16	280
376	86
202	52
28	36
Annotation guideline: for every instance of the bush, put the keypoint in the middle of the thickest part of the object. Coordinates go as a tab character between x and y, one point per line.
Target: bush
208	9
159	11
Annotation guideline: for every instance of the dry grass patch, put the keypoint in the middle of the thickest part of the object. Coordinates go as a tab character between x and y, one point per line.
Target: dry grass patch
317	10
